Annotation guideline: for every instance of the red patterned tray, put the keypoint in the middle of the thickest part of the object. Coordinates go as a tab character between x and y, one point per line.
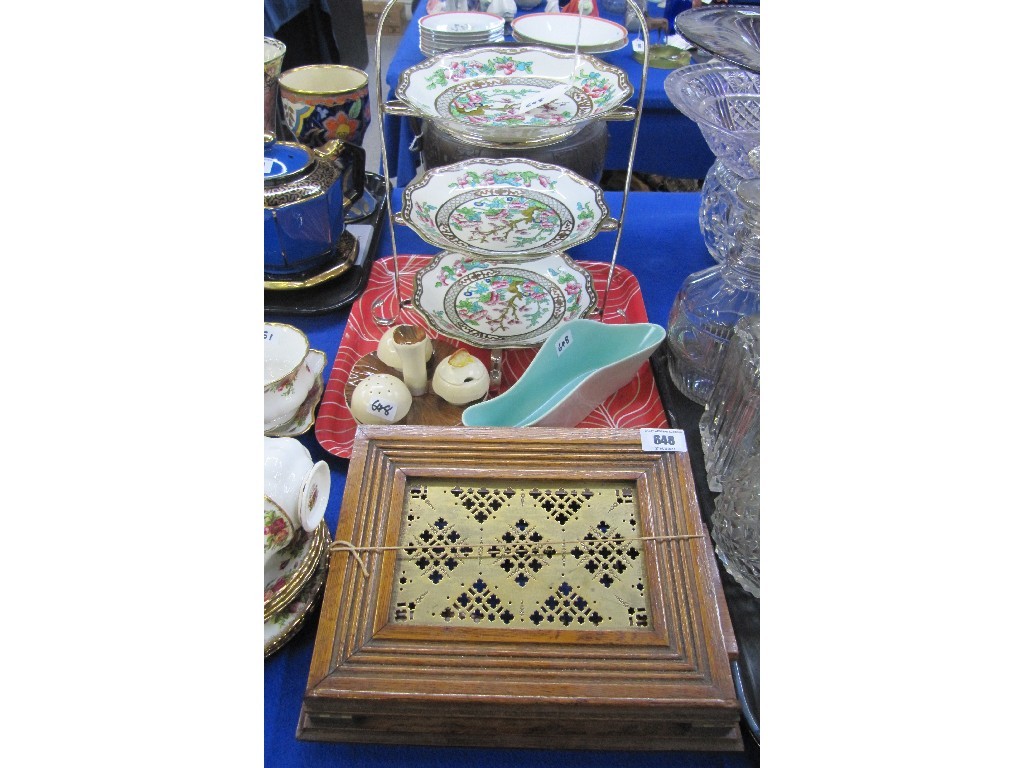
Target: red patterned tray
634	406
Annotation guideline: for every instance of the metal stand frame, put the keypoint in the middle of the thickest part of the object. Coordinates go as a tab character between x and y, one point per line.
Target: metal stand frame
376	307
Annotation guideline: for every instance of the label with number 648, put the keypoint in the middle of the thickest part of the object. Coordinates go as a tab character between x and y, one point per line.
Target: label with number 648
563	343
663	440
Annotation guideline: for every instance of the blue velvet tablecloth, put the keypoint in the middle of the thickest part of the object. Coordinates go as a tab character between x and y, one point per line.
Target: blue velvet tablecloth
669	144
661	245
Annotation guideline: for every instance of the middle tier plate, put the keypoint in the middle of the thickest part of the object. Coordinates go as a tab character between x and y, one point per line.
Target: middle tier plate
498	304
504	207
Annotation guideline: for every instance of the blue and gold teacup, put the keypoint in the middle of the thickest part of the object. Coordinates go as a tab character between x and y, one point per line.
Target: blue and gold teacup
306	193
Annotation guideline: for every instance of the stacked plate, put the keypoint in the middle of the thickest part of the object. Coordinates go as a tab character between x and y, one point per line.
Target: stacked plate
292	581
564	30
455	30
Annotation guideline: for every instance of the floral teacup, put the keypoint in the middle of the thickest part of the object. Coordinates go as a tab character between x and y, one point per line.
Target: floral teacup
326	101
295	492
290	368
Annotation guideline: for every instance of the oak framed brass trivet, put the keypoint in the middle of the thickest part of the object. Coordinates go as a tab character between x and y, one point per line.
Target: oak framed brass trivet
548	588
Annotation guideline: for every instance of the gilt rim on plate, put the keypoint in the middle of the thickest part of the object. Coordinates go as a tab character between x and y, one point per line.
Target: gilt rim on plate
305	553
508	207
499	304
469	92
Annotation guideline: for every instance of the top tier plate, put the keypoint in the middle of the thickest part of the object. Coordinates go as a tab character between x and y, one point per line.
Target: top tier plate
477	94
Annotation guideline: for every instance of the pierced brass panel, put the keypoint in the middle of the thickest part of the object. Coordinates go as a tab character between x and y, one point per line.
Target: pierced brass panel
520	555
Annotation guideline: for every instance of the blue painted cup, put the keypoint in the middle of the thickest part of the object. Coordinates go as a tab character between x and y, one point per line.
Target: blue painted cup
322	102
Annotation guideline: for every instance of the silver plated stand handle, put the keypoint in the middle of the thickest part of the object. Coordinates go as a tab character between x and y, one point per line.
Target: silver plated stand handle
377	308
641	17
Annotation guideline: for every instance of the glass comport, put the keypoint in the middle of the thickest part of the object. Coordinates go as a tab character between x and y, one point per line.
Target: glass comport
730	429
736	525
710	303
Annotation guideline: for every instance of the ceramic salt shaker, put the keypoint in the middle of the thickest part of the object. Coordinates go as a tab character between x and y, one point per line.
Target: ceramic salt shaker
410	343
380	398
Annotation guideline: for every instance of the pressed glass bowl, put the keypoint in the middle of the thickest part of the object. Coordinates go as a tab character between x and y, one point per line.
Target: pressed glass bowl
721	210
731	33
725	102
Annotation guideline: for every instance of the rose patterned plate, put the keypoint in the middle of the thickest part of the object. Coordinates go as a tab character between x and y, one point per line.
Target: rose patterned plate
509	207
478	93
497	304
289	568
280	627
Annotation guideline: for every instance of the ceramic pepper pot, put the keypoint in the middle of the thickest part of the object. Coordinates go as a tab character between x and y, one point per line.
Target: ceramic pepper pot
305	195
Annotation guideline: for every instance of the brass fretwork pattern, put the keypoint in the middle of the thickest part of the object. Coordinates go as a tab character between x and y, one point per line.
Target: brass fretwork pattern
524	556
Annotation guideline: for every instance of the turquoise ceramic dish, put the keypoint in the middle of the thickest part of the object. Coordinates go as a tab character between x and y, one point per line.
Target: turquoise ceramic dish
576	369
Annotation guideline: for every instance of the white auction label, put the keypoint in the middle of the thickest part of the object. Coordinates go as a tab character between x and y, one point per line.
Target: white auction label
385	409
663	440
541	98
563	343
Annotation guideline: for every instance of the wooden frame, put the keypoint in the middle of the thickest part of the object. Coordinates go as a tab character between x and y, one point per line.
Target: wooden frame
666	685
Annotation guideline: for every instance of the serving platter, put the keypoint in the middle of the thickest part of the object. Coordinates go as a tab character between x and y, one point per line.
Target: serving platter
478	93
634	406
504	207
497	304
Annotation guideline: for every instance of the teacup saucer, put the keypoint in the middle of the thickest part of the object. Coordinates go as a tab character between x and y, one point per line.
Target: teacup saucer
341	260
289	569
361	208
304	417
282	626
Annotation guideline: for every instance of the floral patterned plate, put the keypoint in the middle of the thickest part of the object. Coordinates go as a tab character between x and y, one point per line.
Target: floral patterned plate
509	207
477	93
289	568
491	303
280	627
